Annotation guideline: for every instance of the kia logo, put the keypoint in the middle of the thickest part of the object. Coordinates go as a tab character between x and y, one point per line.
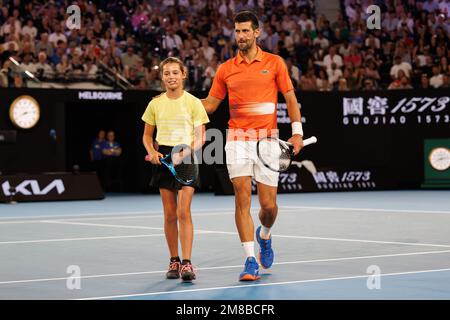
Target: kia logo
31	187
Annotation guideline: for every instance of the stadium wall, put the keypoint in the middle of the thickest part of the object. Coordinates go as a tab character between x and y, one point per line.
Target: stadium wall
370	140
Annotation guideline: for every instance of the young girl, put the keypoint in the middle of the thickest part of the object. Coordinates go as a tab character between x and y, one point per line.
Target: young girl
179	118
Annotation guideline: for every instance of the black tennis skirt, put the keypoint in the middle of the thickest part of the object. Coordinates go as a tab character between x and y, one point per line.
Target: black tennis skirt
163	178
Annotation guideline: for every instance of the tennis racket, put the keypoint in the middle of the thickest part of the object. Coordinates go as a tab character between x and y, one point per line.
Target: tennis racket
277	154
185	172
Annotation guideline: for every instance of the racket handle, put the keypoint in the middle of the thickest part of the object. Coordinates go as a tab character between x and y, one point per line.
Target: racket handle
309	141
306	142
147	158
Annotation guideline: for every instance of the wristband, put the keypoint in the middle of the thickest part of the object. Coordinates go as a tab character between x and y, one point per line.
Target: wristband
297	128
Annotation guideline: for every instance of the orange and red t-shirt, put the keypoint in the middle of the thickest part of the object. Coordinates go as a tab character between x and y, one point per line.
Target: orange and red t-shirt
252	90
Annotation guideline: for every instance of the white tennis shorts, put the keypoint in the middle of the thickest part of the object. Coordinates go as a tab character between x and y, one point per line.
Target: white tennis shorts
242	161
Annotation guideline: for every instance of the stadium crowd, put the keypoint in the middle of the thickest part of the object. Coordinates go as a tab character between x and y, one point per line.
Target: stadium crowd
126	39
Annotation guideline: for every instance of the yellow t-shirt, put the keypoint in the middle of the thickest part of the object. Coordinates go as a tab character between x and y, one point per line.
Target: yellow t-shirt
175	119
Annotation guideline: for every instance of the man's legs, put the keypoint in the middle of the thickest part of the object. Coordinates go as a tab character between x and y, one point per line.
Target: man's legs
244	223
267	214
240	169
267	196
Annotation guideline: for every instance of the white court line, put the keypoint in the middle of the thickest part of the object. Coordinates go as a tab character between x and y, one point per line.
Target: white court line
219	212
125	226
148	216
30	218
274	235
229	267
118	213
78	216
91	238
366	209
116	217
263	284
80	239
100	225
19	222
366	241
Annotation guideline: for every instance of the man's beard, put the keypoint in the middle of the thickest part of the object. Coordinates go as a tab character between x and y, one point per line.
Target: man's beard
245	46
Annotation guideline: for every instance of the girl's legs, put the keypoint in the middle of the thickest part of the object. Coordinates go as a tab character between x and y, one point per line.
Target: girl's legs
184	217
186	231
169	200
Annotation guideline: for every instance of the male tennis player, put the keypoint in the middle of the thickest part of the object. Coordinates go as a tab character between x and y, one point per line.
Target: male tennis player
253	78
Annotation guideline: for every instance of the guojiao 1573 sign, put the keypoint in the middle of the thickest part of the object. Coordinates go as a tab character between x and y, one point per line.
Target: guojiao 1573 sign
389	110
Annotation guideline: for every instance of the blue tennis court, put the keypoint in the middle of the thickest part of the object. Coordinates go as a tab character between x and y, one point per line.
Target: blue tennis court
353	245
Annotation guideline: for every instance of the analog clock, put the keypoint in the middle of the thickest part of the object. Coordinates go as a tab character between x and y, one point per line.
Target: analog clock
440	158
24	112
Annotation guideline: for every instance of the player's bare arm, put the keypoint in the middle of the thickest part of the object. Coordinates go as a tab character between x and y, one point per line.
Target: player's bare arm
147	139
295	116
197	143
211	104
199	138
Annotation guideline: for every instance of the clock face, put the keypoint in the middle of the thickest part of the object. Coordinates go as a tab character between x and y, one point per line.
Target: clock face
24	112
440	158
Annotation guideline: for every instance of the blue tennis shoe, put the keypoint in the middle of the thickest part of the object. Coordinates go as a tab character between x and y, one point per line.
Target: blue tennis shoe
265	255
250	272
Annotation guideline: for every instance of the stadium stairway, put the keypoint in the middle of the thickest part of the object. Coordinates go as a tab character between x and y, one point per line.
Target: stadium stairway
329	8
